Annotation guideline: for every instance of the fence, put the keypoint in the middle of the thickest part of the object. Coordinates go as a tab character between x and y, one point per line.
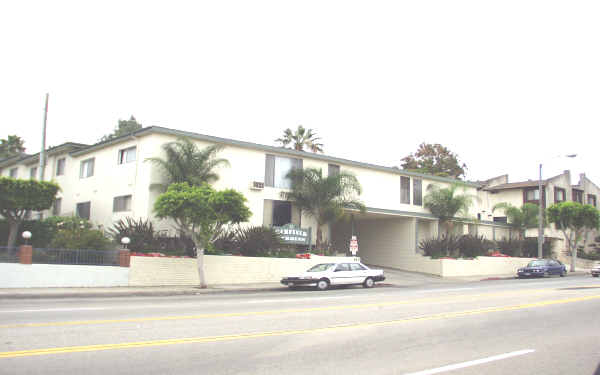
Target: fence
80	257
9	254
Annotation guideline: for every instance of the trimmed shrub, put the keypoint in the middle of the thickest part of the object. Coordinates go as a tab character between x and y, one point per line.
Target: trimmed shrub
444	246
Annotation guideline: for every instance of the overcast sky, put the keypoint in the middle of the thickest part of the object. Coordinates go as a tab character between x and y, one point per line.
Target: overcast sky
504	84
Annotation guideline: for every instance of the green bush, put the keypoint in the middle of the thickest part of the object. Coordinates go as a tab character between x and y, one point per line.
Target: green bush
444	246
250	241
141	234
77	233
42	233
474	246
509	246
530	248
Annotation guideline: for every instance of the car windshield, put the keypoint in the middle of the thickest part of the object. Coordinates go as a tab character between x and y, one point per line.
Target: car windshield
320	267
537	263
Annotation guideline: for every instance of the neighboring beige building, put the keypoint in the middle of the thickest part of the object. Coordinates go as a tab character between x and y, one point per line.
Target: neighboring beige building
112	180
554	190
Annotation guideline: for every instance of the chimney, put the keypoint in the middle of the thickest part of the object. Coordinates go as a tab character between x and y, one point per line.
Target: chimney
581	179
568	174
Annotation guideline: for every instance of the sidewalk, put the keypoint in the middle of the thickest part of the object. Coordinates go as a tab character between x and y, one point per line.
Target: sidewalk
393	280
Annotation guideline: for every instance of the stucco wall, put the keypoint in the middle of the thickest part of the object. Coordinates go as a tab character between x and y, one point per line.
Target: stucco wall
482	266
54	275
147	271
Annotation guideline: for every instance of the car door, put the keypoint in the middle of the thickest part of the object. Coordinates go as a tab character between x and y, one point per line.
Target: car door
359	273
342	274
555	267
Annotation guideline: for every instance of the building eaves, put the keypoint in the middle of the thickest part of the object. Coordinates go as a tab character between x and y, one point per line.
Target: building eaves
62	148
13	160
256	146
516	185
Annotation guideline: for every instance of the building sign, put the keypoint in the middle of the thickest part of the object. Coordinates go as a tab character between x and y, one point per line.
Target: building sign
293	234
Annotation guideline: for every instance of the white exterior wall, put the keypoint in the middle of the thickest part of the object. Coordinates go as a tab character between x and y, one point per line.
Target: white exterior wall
55	275
148	271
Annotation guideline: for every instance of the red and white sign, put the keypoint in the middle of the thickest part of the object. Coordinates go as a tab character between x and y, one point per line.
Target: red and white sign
353	245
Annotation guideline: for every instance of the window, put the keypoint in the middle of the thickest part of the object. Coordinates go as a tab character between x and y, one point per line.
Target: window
500	219
127	155
13	172
577	196
417	192
60	166
87	168
33	173
277	168
357	267
560	195
404	190
56	207
122	203
333	170
591	199
342	267
533	195
282	213
83	210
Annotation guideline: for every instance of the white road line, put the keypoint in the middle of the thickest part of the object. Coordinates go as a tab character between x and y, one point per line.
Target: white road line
472	363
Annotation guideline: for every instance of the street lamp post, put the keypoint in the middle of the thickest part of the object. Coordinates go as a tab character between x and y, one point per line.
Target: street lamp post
541	212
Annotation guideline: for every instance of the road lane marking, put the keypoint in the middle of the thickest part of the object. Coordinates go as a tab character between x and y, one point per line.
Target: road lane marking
453	298
56	309
472	363
207	339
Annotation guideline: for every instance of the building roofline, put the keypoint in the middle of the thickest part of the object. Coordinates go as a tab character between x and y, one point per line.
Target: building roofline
64	147
274	149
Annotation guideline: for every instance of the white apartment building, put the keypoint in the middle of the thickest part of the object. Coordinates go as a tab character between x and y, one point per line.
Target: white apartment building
112	180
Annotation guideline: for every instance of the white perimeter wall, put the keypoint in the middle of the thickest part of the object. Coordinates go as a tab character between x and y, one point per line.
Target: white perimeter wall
58	275
147	271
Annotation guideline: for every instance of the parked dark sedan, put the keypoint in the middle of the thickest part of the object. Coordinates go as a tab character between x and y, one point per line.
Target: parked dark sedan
542	268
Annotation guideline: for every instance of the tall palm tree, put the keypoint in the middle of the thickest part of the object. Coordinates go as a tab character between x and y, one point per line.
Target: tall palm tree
521	218
300	138
185	162
323	198
445	203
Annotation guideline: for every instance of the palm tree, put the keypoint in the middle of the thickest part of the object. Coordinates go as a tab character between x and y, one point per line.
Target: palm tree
185	162
445	203
323	198
300	138
520	219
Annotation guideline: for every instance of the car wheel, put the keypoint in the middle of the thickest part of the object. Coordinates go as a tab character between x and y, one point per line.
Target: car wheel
323	284
562	273
595	275
368	283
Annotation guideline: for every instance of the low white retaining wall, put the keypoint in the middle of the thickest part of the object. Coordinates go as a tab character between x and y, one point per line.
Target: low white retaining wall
147	271
58	275
482	266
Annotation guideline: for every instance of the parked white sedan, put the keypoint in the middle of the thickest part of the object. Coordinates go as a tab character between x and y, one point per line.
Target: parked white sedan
325	274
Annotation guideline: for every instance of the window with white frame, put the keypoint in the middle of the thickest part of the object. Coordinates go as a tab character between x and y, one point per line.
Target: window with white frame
533	195
277	168
417	192
122	203
127	155
60	166
404	190
87	168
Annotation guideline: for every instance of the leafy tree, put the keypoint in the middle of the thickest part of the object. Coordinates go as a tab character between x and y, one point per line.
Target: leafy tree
323	198
124	127
201	213
185	162
434	159
11	146
301	138
520	218
574	220
19	196
445	204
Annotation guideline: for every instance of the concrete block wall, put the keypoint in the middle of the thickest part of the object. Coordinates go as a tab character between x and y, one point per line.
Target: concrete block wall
149	271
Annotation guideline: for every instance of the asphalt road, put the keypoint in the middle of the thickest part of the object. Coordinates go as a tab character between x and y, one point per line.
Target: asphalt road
495	327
